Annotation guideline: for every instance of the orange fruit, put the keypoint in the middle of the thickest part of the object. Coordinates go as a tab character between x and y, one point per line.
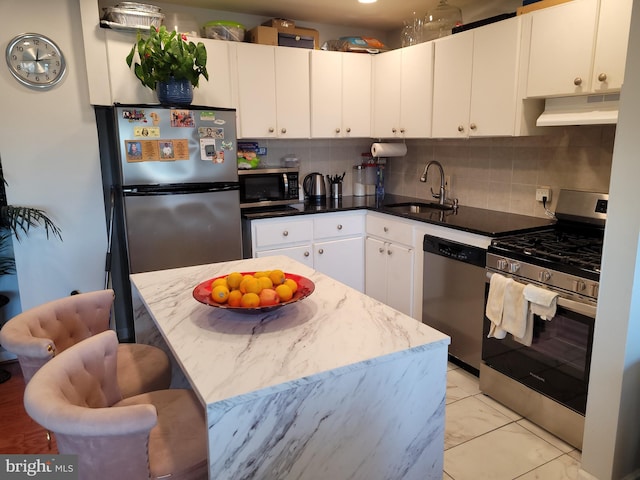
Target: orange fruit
250	300
265	282
219	281
233	280
250	285
220	294
234	298
277	277
284	292
291	283
261	274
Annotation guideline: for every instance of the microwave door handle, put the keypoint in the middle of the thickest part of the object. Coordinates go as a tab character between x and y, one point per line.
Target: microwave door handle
577	307
285	179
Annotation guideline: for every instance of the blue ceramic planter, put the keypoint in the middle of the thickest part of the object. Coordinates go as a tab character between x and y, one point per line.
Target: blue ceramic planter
175	92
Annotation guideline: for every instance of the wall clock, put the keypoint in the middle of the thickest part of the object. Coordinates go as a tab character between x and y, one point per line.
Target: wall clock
35	61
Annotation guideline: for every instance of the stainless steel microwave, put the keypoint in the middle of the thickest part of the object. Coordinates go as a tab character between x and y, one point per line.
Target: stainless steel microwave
265	187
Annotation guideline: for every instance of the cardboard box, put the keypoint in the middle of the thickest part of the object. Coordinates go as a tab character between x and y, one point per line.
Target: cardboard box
279	23
538	5
263	35
270	36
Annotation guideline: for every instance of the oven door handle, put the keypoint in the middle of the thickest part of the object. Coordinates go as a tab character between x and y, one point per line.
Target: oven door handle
577	307
571	305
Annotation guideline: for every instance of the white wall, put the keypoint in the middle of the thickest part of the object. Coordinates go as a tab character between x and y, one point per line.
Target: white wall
612	428
49	151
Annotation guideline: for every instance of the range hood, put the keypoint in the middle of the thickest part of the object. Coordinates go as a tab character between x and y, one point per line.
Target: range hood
580	110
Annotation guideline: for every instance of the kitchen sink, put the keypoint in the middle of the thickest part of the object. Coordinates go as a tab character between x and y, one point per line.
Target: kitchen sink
417	207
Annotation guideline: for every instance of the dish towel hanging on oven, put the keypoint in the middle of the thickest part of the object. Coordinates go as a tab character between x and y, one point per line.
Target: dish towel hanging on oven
507	308
542	302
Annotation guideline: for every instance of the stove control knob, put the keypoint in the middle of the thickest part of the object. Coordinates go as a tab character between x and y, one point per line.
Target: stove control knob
501	264
579	286
594	289
544	275
514	267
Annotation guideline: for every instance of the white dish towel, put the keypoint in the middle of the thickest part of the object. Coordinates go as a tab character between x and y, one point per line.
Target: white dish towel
542	302
495	305
515	310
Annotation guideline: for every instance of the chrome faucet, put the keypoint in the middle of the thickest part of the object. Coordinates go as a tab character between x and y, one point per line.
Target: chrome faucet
440	196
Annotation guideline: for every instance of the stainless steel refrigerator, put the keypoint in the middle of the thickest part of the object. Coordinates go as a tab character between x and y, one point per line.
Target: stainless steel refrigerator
171	193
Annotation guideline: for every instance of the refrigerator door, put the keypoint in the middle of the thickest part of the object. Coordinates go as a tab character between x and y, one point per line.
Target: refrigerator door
177	230
171	145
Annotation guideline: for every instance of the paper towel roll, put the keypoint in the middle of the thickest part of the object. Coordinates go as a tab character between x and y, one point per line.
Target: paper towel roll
388	149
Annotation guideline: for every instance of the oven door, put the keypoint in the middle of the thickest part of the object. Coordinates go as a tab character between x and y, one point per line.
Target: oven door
558	360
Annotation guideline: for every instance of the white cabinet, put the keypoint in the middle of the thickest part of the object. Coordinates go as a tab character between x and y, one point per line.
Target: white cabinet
475	87
578	48
332	243
127	89
389	262
273	91
402	92
340	94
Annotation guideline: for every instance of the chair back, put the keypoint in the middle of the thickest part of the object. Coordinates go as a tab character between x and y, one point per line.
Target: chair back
72	396
36	335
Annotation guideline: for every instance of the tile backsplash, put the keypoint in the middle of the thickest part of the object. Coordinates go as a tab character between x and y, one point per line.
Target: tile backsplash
494	173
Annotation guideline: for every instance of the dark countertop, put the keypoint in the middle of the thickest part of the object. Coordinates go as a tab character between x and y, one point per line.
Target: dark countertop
490	223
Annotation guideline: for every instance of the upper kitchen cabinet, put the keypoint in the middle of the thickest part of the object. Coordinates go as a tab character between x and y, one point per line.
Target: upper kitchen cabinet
126	88
402	92
340	94
475	86
586	58
273	91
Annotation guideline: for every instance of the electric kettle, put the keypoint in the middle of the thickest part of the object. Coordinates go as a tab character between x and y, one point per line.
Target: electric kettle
314	187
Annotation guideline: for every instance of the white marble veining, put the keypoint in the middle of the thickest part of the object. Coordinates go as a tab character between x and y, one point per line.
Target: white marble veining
335	386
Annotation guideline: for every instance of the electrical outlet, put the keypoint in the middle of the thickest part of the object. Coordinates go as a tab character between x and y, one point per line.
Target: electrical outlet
543	192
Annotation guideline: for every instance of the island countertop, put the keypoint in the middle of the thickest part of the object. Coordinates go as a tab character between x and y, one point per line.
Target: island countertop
226	354
336	385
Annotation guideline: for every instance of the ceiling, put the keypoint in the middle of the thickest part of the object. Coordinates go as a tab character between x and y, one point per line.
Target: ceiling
383	15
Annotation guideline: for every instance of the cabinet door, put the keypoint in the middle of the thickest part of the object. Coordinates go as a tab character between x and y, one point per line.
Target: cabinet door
496	50
342	260
356	95
416	87
375	284
217	91
256	90
452	85
326	94
386	94
301	253
292	92
611	45
400	260
562	41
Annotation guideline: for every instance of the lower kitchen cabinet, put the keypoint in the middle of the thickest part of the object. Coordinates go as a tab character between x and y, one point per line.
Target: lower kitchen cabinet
332	243
390	260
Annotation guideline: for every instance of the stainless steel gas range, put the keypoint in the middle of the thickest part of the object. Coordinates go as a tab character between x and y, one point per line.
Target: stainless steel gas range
547	381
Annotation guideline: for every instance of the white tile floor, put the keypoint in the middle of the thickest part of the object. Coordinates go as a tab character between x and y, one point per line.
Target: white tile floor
485	440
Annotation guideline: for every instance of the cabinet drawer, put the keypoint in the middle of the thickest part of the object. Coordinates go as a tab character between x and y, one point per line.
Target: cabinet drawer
338	225
387	228
270	234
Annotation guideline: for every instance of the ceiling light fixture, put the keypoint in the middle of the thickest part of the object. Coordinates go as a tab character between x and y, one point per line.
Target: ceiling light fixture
367	1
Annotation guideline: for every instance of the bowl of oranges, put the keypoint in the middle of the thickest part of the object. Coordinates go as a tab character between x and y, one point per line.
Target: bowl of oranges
253	292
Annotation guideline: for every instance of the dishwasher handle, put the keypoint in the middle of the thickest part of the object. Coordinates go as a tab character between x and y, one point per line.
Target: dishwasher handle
456	251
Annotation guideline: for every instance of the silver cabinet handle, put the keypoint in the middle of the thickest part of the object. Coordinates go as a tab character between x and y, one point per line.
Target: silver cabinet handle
402	130
577	81
381	250
306	254
386	229
602	77
271	129
348	130
283	130
461	128
337	130
393	130
339	227
285	233
321	251
473	126
388	252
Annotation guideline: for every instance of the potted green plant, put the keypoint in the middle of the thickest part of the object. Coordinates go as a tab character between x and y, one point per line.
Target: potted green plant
167	61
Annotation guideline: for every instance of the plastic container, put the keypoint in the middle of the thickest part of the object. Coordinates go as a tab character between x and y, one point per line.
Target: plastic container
182	23
359	185
223	30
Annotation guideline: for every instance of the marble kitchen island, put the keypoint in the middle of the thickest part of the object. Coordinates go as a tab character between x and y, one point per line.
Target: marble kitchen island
336	386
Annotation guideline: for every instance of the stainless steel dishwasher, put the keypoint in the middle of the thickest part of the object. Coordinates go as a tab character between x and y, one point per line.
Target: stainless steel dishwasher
453	294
